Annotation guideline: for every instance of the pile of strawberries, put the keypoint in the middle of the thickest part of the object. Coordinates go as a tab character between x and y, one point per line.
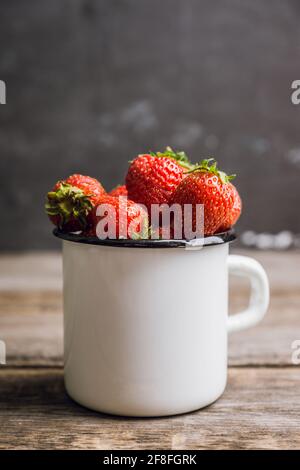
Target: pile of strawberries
154	178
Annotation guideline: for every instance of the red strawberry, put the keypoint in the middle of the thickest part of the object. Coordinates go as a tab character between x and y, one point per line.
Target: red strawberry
130	219
208	186
70	202
234	213
153	178
119	191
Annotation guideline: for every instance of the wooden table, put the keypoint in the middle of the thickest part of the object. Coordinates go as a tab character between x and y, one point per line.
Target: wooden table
259	409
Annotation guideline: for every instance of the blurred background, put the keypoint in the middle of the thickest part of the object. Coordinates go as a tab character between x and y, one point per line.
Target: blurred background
92	83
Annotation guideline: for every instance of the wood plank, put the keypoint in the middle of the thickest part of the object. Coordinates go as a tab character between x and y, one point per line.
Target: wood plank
35	340
30	302
260	409
31	271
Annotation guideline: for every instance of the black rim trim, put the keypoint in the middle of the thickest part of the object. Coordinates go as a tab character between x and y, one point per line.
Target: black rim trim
217	239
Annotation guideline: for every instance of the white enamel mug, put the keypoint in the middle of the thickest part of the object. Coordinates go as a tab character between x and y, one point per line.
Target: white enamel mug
146	323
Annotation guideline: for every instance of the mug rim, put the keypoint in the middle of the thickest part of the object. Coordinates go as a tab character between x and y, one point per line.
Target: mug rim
210	240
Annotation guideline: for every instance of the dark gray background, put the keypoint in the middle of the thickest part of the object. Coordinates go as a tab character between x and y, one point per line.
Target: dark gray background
92	83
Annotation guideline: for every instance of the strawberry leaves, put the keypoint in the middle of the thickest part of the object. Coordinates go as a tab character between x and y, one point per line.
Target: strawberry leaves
180	157
209	165
68	202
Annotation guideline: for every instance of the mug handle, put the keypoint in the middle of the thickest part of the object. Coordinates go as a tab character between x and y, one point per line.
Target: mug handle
259	297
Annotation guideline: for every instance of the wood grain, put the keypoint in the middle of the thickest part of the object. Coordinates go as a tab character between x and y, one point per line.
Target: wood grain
260	409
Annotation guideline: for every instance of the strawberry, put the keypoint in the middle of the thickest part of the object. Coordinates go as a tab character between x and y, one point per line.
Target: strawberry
70	202
130	219
152	178
119	191
234	213
206	185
